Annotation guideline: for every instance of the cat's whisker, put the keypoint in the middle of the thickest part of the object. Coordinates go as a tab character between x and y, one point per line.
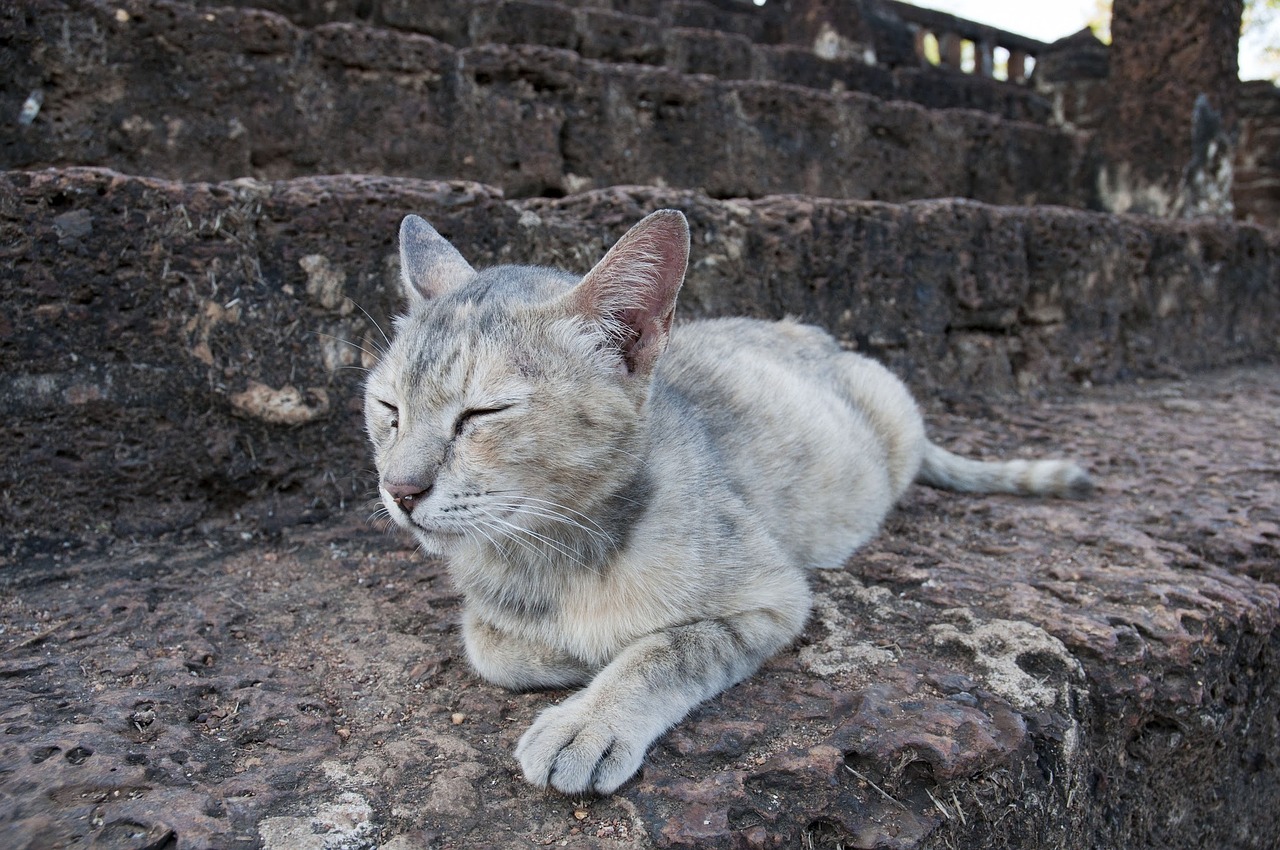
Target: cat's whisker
603	542
513	537
478	532
357	346
375	324
517	533
594	530
563	511
554	544
534	551
379	517
558	510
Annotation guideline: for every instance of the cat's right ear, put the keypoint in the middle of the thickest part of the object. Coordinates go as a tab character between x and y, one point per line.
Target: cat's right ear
429	265
632	291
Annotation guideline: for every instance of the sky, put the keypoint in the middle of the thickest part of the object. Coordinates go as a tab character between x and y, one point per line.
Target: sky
1052	21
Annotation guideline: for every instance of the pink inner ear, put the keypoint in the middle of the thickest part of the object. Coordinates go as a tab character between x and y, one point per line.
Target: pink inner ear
634	287
645	332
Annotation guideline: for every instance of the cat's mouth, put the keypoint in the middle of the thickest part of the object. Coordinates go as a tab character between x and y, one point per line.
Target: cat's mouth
426	527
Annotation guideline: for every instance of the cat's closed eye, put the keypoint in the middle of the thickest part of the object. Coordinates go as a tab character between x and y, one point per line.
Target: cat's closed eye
471	414
394	411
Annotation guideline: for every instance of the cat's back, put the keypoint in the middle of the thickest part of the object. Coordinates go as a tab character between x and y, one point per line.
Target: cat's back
707	342
739	370
817	440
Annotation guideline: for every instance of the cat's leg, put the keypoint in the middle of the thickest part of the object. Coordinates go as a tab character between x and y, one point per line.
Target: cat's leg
596	739
517	664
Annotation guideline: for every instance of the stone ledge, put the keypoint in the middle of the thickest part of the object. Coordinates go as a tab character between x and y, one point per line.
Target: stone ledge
990	672
142	312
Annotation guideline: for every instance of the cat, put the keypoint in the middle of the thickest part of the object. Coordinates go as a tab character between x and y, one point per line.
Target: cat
628	504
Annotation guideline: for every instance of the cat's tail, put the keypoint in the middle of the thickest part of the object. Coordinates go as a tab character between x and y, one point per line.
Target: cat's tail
941	468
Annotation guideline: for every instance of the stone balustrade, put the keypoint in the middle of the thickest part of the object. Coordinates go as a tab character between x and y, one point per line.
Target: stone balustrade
969	46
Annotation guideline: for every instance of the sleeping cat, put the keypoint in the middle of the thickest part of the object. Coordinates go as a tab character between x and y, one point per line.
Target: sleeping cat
631	505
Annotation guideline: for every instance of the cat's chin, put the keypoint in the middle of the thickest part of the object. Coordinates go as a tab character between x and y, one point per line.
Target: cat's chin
435	541
439	542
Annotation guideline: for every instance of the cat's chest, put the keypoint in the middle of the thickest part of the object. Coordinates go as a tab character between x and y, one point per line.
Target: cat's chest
596	621
593	615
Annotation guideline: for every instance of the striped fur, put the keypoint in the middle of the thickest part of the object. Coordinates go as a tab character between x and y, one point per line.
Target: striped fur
1061	478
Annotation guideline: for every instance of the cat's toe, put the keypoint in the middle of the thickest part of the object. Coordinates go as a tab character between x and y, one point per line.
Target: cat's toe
616	766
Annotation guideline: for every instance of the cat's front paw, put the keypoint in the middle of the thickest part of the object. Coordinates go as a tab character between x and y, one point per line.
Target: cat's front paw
578	748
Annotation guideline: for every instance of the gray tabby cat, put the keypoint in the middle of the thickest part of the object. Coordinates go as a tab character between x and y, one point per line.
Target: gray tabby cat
630	505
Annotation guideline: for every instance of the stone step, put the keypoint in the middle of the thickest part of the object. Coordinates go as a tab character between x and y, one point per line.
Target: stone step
459	21
177	402
731	41
141	311
170	90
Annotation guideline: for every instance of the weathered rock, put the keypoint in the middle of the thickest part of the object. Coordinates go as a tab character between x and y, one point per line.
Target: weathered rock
1257	167
204	342
1151	132
1074	75
991	672
465	22
171	90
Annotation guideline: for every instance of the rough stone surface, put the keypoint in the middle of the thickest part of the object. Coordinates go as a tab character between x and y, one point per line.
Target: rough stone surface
172	90
1257	168
1074	75
1156	75
991	672
464	22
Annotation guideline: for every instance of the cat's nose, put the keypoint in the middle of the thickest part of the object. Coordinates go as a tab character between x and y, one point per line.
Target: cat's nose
407	495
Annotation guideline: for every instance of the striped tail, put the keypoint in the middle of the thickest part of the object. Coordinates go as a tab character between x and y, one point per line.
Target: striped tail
1061	478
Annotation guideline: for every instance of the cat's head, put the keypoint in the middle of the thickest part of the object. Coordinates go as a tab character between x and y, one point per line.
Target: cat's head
510	403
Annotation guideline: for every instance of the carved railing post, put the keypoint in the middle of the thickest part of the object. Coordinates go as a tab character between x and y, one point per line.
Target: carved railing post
984	63
953	32
1017	66
949	48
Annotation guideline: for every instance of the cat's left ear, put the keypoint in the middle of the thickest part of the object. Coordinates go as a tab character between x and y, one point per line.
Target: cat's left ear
429	265
632	291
